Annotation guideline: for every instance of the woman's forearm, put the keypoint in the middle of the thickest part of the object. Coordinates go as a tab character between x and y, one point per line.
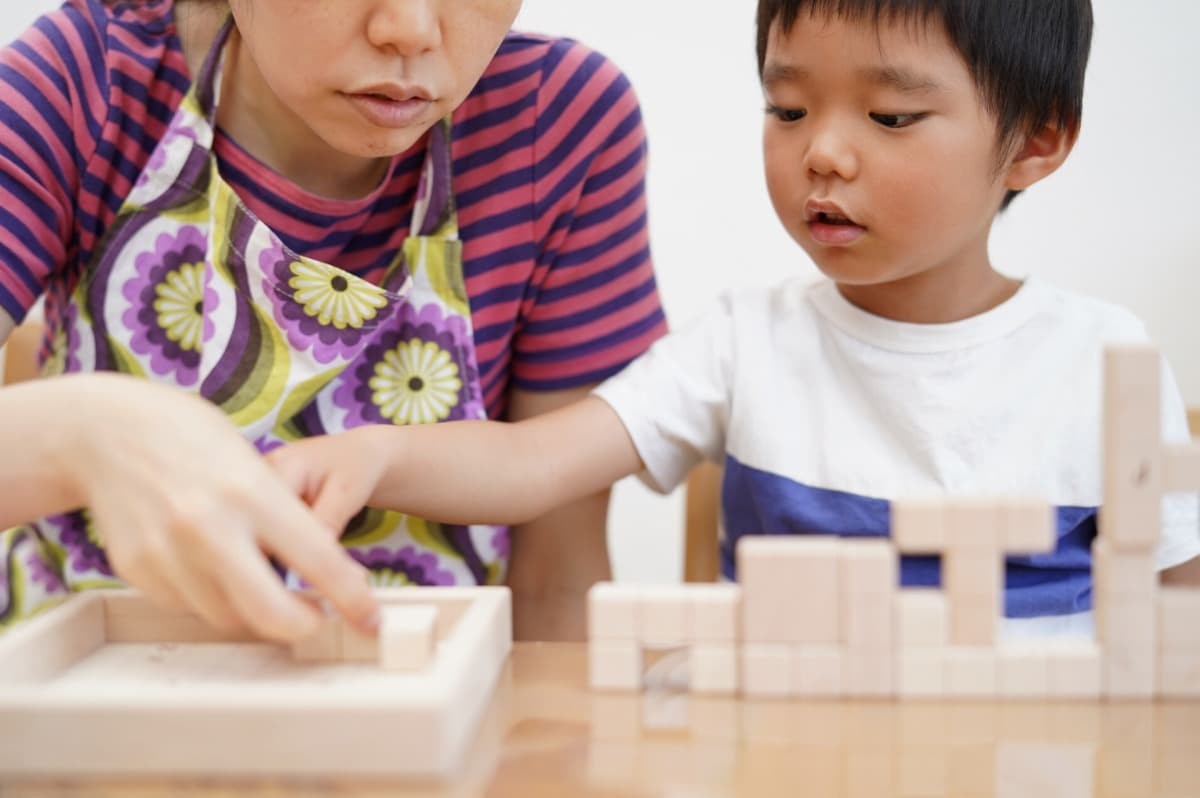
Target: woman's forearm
37	427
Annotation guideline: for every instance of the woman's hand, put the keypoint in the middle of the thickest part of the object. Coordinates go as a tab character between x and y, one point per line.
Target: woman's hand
186	508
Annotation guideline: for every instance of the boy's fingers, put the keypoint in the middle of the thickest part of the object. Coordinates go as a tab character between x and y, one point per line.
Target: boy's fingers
308	549
334	508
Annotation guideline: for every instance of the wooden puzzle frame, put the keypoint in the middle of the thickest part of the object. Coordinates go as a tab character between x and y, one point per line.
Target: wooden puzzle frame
109	684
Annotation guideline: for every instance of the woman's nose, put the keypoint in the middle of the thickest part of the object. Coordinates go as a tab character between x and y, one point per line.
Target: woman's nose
409	27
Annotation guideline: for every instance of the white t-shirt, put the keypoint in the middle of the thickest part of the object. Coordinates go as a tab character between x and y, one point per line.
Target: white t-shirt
822	413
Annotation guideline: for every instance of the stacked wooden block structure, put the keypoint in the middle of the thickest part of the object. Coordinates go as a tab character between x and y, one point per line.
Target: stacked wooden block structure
825	617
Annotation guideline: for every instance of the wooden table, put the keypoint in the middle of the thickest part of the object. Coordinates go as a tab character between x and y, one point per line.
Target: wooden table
547	734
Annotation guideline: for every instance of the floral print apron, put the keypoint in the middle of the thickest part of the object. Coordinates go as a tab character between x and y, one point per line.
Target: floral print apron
190	289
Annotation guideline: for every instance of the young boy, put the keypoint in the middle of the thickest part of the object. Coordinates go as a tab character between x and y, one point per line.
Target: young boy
894	134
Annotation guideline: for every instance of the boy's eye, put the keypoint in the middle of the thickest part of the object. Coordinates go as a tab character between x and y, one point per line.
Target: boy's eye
897	120
787	114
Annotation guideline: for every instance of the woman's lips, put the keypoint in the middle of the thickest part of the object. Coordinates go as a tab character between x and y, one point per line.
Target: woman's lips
387	112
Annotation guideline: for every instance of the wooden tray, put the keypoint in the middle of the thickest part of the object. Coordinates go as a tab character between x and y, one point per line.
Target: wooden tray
109	684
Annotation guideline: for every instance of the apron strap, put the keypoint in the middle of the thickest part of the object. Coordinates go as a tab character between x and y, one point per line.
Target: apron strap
205	87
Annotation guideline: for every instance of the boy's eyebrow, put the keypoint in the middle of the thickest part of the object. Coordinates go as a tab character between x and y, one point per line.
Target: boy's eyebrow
902	79
777	72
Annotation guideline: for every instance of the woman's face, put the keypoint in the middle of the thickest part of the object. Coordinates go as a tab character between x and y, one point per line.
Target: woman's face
369	77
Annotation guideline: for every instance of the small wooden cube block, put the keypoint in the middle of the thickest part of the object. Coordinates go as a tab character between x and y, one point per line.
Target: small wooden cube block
974	523
713	668
971	672
868	674
407	636
973	572
1030	527
612	611
715	613
919	525
358	647
788	588
921	672
662	614
1075	669
921	618
1022	670
817	671
973	621
1181	466
1127	623
615	665
1129	672
323	646
868	622
869	565
766	670
1179	674
1179	620
1125	575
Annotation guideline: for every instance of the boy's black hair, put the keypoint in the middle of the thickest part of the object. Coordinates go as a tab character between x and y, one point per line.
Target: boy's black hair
1028	57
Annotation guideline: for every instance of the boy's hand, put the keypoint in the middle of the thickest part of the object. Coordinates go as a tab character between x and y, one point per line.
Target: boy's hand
334	475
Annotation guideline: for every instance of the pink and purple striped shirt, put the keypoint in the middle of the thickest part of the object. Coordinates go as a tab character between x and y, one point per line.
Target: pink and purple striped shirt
549	171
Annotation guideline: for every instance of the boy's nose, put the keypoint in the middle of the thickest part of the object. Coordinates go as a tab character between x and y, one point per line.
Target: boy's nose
410	27
830	154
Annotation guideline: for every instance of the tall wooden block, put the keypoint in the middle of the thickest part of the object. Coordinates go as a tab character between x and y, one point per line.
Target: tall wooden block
1129	670
407	636
869	565
973	621
663	614
919	525
1123	575
612	611
715	613
921	618
766	670
1181	468
615	665
973	572
1179	620
971	672
713	668
790	589
1131	516
1030	526
868	623
817	671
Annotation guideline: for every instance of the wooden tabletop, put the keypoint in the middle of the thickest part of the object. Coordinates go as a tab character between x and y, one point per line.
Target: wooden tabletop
547	734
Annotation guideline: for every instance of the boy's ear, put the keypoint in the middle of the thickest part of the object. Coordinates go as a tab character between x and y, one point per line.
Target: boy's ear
1040	156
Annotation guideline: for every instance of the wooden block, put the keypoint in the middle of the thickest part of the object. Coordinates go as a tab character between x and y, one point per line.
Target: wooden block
817	671
1179	620
921	618
971	672
407	636
868	622
1127	623
973	621
1128	671
325	645
713	668
662	615
1074	669
766	670
974	522
358	647
1181	468
919	525
1131	516
1030	526
612	611
790	586
868	674
1022	670
921	672
975	572
869	565
1123	575
1179	674
615	665
715	613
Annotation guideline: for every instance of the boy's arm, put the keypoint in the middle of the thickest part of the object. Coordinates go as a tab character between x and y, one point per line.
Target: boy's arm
1185	575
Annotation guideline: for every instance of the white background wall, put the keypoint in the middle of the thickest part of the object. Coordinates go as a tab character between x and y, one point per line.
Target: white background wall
1119	221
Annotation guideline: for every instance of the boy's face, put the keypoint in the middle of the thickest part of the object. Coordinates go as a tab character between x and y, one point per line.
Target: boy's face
881	159
369	77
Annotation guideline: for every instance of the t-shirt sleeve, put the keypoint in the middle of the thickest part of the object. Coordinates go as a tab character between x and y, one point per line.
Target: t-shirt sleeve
51	111
1181	511
593	304
675	400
